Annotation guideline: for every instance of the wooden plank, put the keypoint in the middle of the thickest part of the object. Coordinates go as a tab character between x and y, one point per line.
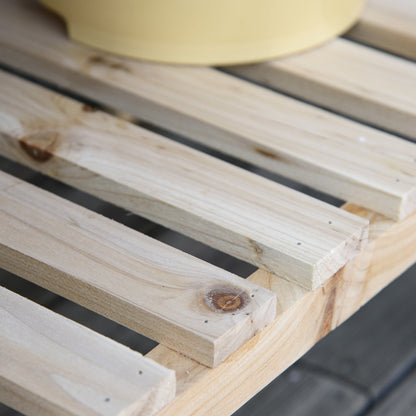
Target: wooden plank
302	392
300	141
352	79
388	25
303	318
154	289
383	332
401	402
247	216
52	366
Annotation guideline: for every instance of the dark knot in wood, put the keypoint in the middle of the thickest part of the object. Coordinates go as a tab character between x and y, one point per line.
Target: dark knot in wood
226	299
39	146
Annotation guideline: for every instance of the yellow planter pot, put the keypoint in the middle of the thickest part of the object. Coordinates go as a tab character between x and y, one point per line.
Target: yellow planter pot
205	32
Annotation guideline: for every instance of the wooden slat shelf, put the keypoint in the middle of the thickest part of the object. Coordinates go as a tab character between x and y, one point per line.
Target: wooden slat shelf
95	261
51	365
388	25
224	337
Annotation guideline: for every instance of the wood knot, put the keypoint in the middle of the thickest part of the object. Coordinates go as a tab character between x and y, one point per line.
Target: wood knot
267	153
39	146
88	109
226	299
108	62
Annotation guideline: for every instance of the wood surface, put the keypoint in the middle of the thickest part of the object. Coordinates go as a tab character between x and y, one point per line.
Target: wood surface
388	25
176	299
52	366
252	218
303	318
302	142
348	78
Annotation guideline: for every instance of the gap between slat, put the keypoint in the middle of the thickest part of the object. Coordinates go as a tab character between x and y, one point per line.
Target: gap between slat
169	296
236	211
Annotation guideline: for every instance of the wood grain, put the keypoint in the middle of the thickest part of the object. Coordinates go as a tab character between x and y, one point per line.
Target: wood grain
50	365
167	295
388	25
352	79
302	142
236	211
303	318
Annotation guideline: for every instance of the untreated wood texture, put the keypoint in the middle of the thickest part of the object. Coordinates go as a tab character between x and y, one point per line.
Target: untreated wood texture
305	143
388	25
247	216
303	318
174	298
352	79
50	365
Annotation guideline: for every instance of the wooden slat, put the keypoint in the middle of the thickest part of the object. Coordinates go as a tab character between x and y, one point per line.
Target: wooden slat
50	365
352	79
388	25
152	288
247	216
335	155
303	318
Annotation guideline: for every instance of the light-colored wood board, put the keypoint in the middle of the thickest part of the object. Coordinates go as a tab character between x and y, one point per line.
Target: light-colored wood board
302	392
375	347
296	140
401	402
233	210
388	25
303	318
176	299
50	365
367	84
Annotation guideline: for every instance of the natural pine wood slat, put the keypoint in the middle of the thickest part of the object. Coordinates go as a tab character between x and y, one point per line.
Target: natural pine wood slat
303	317
236	211
50	365
388	25
154	289
338	156
352	79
